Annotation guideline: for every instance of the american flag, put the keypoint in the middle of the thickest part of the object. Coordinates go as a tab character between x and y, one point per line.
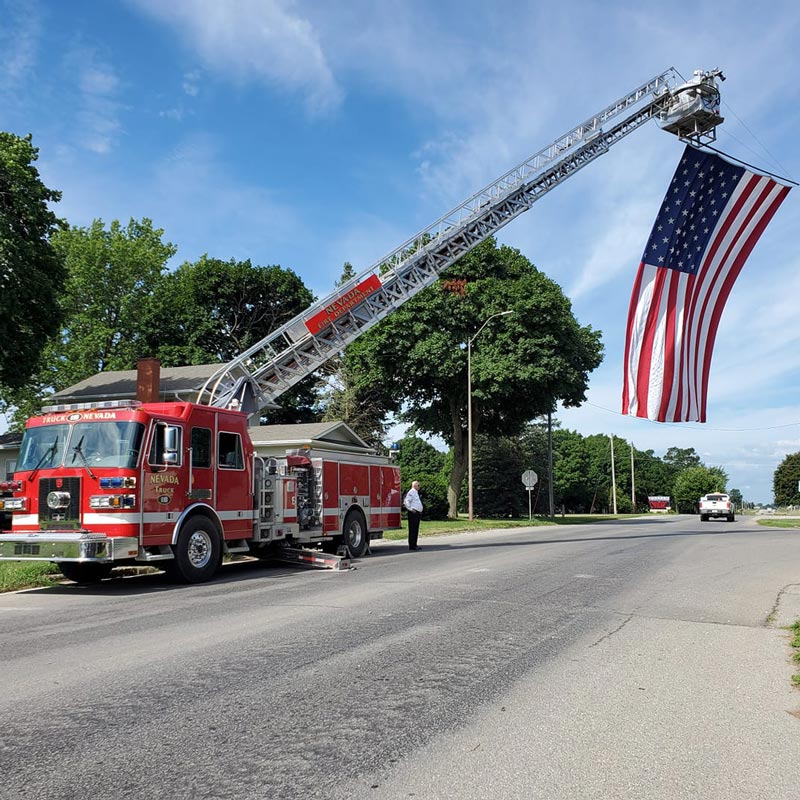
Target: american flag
709	222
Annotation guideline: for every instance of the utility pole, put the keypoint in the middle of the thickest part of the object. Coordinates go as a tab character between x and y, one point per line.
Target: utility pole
550	462
613	477
633	483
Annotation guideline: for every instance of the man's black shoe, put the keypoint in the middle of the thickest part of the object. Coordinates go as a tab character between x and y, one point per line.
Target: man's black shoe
415	548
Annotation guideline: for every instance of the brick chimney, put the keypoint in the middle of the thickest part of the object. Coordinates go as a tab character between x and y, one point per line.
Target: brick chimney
148	380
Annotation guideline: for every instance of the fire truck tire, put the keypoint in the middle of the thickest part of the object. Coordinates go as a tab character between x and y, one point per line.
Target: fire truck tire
84	573
198	552
356	536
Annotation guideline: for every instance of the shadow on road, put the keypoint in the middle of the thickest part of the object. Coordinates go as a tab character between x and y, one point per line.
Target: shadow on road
239	572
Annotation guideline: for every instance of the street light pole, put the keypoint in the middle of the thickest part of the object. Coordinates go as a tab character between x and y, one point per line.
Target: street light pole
469	401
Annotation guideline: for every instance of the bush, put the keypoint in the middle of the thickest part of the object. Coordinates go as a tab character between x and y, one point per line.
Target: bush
432	491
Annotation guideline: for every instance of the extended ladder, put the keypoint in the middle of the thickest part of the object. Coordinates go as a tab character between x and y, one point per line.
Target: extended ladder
257	377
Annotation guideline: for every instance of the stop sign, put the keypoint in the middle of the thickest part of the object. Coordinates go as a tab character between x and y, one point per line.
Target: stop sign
529	478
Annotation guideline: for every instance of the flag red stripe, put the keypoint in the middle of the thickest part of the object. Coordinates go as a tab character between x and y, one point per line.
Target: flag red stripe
736	268
708	275
669	350
646	357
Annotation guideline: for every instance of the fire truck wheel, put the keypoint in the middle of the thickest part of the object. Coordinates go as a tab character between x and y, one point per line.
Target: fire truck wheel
84	573
355	533
198	552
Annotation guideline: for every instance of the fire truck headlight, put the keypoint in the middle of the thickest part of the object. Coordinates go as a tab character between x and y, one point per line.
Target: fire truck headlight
12	504
112	501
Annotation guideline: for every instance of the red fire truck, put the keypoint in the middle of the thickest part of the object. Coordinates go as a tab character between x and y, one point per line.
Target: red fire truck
179	483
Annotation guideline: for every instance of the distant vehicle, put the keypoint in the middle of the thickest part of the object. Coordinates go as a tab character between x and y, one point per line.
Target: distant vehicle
716	505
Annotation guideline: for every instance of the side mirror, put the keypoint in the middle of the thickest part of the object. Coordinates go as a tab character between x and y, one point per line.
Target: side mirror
171	438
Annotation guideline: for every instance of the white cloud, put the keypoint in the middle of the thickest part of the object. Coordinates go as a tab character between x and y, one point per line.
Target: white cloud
97	109
261	40
20	32
191	82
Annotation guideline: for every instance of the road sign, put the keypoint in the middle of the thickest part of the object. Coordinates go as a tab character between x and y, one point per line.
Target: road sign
529	478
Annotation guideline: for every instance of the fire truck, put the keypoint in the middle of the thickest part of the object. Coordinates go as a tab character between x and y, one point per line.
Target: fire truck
179	484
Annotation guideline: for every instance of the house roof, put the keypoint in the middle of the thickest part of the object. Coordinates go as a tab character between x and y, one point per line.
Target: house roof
306	434
177	383
10	441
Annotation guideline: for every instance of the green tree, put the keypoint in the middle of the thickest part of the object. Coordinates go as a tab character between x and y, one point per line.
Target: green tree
113	275
32	271
680	458
653	477
785	481
213	310
693	482
598	451
210	311
533	445
416	456
570	469
107	306
521	364
498	464
736	498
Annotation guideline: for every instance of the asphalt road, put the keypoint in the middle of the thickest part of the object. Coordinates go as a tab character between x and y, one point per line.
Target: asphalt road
642	659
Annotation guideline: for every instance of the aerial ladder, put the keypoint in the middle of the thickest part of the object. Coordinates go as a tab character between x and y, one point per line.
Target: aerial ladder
257	377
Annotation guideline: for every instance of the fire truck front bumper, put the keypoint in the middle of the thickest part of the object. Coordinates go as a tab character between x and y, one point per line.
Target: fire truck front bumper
71	546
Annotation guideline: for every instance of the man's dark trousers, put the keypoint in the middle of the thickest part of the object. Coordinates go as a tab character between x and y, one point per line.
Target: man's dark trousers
413	528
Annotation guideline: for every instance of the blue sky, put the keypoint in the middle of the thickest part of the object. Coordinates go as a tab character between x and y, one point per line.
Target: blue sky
311	133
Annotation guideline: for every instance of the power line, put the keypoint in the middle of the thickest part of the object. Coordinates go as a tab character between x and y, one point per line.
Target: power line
699	427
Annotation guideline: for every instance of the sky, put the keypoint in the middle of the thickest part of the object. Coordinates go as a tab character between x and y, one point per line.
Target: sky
306	133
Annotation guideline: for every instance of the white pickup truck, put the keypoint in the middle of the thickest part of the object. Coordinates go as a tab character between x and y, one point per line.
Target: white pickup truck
716	505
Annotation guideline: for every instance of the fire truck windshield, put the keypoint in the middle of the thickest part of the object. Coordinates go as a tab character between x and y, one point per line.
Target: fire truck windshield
100	444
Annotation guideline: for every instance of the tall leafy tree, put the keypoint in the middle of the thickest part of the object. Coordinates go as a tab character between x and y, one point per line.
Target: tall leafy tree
32	272
693	482
498	465
680	458
598	451
210	311
213	310
785	481
522	364
653	477
113	274
533	445
106	306
570	470
415	455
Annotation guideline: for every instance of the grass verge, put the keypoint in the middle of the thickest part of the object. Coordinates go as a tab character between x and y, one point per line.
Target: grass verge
779	523
795	643
15	575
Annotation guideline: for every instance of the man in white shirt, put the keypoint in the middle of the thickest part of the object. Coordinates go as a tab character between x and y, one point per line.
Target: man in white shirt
414	507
